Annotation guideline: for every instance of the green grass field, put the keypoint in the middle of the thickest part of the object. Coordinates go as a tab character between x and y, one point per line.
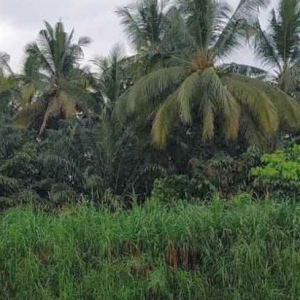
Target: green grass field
238	250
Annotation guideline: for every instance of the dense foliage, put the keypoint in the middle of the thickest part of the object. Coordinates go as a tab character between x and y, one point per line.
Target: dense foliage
280	171
173	113
117	171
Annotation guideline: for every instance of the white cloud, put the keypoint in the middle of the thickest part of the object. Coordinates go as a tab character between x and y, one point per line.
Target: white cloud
20	21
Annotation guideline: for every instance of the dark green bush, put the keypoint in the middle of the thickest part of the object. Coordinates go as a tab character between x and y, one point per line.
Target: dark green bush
181	187
102	163
230	175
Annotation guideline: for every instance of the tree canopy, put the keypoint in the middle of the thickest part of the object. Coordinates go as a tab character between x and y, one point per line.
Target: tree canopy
180	105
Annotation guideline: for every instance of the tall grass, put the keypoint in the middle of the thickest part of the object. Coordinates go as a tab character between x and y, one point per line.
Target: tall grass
238	250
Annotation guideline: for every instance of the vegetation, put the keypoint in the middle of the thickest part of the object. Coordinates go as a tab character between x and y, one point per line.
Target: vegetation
173	110
280	171
238	250
54	83
196	82
278	46
111	179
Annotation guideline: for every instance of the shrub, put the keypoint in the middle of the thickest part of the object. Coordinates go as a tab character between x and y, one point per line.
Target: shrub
280	172
181	187
230	175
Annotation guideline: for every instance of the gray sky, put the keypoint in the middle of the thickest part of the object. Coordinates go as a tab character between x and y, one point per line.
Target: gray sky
21	20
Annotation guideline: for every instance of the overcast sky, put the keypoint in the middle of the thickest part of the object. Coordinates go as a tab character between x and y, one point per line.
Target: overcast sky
21	20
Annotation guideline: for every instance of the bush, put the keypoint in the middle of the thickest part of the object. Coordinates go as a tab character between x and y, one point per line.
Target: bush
230	175
238	250
280	172
180	187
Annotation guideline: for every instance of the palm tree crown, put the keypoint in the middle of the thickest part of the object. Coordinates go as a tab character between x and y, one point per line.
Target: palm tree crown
199	83
152	27
53	76
109	78
278	46
9	90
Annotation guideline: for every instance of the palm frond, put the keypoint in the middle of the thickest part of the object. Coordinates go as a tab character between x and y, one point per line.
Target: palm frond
285	27
249	9
230	38
255	100
288	108
265	48
109	78
65	166
187	92
61	193
201	17
147	93
246	70
144	22
84	41
131	25
238	27
24	117
4	63
208	116
165	119
220	100
252	132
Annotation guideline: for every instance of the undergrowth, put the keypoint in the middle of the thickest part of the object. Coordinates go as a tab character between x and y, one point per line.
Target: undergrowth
236	250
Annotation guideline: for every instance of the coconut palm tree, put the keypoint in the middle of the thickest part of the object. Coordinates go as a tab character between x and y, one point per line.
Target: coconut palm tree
200	87
278	47
110	79
152	27
9	88
54	82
